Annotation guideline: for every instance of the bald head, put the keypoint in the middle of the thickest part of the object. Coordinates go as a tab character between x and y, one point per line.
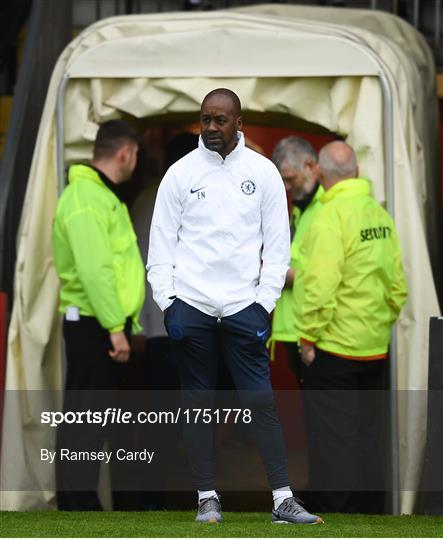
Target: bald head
227	96
337	161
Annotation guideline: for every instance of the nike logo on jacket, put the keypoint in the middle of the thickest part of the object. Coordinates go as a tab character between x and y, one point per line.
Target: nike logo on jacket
198	189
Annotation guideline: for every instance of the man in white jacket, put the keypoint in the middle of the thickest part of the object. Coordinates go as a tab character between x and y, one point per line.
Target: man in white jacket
218	256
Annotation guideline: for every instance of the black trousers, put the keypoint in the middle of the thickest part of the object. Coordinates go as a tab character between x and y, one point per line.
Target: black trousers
343	405
91	380
294	360
196	341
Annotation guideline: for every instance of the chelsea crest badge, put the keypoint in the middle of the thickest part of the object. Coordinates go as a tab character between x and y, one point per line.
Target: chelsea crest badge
248	187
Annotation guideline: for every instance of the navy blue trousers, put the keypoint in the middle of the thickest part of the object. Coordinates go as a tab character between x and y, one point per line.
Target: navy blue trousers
198	340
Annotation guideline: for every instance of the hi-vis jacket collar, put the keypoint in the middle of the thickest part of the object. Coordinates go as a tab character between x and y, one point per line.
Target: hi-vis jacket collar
79	171
350	188
216	156
91	174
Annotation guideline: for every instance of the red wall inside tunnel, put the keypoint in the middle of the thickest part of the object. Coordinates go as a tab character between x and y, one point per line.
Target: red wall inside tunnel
268	137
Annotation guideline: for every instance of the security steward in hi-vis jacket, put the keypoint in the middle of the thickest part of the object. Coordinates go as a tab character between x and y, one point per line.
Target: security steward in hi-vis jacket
297	163
348	291
102	291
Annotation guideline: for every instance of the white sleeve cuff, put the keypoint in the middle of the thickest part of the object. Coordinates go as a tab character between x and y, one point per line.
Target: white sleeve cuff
269	306
165	302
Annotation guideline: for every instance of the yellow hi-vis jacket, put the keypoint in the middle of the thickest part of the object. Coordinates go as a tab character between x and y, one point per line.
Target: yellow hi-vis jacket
96	252
282	318
351	287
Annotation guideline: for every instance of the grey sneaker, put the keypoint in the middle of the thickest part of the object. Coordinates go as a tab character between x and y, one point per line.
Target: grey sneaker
291	511
209	510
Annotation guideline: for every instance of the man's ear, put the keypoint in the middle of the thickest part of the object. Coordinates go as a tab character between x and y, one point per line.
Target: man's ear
239	122
122	154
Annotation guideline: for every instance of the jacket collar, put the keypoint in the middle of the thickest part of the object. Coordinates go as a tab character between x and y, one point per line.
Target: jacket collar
350	187
95	175
315	195
216	156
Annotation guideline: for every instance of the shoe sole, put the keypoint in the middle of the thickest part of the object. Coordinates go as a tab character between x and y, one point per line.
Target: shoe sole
318	521
211	520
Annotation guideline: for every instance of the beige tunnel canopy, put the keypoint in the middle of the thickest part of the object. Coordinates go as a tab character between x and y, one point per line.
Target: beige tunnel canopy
326	68
301	54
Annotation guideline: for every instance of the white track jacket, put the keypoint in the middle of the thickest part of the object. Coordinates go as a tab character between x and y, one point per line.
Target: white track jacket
219	236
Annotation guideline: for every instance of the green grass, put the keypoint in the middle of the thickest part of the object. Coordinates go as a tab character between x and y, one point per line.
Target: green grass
181	524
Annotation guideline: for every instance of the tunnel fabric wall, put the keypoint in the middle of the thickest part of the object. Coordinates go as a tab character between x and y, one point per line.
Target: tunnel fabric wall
103	87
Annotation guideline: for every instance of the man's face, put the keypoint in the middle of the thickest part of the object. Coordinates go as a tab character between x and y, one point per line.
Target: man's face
128	160
219	123
299	182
